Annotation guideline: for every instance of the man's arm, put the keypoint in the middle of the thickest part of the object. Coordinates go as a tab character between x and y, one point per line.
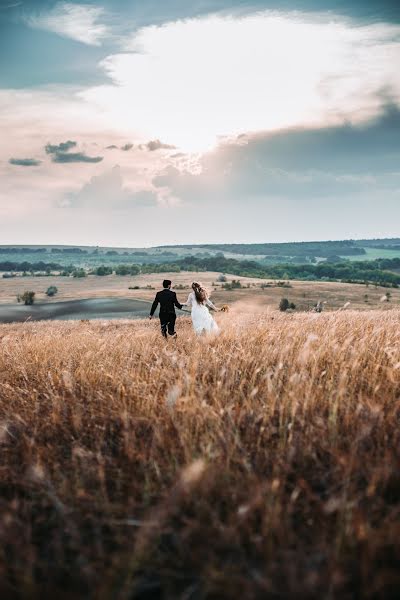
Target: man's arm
154	305
177	304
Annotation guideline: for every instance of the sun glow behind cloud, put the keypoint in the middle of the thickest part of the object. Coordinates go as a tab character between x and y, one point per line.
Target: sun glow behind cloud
195	85
190	82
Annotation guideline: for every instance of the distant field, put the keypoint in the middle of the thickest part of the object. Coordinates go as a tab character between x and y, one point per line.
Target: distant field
303	294
267	253
374	253
263	463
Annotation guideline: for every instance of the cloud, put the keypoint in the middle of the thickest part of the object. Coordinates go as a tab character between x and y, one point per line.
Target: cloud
11	5
298	165
108	192
76	157
79	22
112	147
272	71
60	154
157	145
126	147
25	162
57	148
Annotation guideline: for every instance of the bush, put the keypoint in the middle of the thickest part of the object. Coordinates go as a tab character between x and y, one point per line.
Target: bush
221	278
234	285
28	298
127	270
79	273
51	291
284	304
103	270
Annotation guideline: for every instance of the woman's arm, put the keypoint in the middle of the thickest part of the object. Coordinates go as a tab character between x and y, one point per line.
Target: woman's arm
188	301
211	305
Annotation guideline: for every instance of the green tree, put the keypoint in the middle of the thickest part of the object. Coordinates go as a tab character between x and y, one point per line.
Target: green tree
28	298
103	270
127	270
51	291
79	273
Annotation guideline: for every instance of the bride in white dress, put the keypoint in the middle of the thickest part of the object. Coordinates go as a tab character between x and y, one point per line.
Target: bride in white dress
202	320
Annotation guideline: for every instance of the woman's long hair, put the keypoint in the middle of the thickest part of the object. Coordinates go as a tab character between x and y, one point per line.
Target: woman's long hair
199	292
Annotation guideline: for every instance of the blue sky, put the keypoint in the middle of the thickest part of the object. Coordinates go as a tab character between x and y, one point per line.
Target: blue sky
163	122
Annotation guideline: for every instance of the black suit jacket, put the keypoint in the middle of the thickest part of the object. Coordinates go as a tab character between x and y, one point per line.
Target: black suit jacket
167	300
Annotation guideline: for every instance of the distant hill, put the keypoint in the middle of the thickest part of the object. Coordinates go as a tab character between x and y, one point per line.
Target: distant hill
264	253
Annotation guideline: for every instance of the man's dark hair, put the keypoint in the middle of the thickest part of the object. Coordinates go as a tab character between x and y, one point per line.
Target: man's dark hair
166	283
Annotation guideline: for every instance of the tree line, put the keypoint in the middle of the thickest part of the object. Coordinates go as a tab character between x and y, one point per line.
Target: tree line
380	271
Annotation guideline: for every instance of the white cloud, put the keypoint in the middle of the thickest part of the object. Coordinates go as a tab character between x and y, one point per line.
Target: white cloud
108	191
188	82
76	21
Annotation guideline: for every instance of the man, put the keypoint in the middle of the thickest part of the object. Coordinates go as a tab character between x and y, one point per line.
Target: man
167	300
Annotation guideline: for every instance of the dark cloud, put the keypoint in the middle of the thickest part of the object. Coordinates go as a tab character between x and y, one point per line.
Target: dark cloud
60	154
127	147
75	157
112	147
25	162
299	164
373	147
63	147
157	145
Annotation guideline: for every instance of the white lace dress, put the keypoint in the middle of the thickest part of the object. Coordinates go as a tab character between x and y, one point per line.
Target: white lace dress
201	318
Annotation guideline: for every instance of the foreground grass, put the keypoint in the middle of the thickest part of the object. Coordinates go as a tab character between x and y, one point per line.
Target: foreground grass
262	464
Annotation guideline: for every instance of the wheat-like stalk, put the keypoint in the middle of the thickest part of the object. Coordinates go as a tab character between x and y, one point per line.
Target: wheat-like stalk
260	463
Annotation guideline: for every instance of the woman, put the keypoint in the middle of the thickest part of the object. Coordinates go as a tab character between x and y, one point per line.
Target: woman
201	319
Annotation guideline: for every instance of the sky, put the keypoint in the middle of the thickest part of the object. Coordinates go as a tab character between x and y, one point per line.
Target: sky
141	123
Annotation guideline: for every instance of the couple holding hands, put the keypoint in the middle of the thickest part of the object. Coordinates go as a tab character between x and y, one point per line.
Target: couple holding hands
199	302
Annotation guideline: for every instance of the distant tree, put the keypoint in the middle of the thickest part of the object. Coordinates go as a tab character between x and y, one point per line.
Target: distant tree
388	296
292	306
284	304
51	291
233	285
103	270
112	253
79	273
28	298
221	278
127	270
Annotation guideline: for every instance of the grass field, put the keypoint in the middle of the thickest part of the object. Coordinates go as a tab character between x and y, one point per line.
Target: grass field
304	294
263	463
374	253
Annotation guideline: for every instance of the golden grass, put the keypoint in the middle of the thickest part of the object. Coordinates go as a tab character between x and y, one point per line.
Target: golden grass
263	463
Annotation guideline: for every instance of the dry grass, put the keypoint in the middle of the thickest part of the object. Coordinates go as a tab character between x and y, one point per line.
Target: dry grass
261	464
303	293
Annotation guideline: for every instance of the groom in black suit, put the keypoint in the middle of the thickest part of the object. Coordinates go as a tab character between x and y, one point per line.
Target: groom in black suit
167	300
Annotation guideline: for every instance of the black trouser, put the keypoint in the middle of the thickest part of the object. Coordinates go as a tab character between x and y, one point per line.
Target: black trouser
167	321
